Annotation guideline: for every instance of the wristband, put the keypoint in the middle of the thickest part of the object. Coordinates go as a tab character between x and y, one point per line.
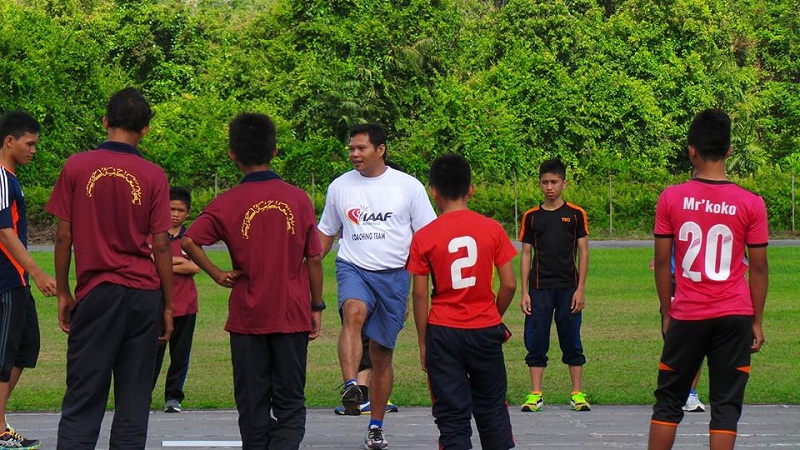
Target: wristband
320	307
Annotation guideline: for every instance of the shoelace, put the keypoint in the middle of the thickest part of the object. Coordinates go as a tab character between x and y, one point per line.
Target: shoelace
375	434
14	435
343	386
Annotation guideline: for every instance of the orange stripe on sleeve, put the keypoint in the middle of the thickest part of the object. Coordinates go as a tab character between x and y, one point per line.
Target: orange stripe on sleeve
745	369
662	366
585	217
525	221
17	266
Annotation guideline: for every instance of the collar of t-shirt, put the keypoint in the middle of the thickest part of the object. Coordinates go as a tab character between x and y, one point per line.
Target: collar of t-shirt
262	175
179	235
119	147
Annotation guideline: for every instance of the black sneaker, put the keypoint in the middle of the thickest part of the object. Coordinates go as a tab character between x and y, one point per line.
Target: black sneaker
11	439
352	398
375	440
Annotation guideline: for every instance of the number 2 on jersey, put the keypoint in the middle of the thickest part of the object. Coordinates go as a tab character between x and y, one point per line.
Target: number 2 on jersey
456	278
718	254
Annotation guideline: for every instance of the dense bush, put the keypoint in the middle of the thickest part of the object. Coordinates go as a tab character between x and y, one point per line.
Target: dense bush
609	86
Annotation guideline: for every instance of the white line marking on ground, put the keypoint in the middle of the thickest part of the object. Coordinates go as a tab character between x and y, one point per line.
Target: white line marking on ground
204	444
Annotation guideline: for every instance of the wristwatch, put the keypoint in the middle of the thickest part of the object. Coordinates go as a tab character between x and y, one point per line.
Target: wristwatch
320	307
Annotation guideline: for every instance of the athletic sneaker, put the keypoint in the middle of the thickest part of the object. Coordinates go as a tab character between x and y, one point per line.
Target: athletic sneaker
12	439
172	406
352	398
390	407
375	440
578	402
693	404
364	408
533	403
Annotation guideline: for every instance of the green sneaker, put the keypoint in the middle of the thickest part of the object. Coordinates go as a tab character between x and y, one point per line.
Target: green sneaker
578	402
533	402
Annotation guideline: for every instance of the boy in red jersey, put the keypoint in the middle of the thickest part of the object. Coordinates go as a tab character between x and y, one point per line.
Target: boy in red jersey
553	234
276	304
110	203
184	305
719	233
462	333
19	329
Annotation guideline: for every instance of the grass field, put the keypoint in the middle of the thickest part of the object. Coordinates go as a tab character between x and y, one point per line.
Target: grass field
620	335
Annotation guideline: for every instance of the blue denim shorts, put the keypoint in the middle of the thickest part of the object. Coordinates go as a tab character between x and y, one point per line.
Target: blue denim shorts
385	292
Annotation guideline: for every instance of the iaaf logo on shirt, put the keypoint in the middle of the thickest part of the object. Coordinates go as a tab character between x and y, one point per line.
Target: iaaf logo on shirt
358	215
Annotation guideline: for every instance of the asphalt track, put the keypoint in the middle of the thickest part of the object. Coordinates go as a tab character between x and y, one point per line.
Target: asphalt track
556	427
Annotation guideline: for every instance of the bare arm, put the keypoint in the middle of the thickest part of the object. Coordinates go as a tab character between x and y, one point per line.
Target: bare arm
508	286
183	266
524	272
62	257
579	298
419	293
327	243
162	256
315	282
663	275
759	280
225	278
45	283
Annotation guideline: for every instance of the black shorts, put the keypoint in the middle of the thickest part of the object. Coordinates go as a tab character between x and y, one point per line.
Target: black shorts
725	342
19	331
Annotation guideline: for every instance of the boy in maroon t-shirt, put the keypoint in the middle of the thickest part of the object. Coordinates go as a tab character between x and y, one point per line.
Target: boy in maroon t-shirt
110	203
461	334
276	304
184	305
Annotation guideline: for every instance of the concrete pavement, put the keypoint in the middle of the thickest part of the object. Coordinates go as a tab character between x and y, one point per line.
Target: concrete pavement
557	427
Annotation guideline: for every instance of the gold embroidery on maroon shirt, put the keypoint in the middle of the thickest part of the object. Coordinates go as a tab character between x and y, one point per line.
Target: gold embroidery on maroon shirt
263	206
136	190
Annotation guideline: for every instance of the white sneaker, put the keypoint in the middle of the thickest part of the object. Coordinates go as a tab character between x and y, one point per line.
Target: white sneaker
693	404
375	440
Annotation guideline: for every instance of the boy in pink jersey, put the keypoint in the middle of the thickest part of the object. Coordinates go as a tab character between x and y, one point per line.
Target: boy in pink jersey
719	233
462	332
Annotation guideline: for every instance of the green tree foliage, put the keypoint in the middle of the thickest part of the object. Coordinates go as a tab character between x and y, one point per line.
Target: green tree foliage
607	85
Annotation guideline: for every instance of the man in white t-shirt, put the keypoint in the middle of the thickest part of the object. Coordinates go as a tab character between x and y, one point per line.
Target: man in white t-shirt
375	210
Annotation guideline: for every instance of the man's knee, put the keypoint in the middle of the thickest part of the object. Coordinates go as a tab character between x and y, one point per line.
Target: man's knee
380	356
354	312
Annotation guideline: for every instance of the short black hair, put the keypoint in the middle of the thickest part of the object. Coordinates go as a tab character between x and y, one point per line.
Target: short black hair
251	137
16	123
450	176
182	195
377	135
710	134
127	109
554	166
